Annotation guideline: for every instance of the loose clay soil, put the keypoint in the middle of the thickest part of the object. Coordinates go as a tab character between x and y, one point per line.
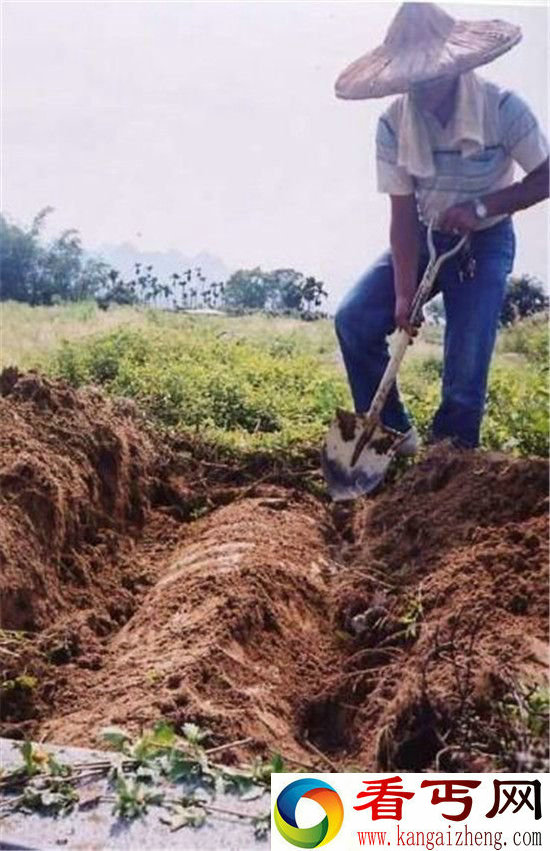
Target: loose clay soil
143	580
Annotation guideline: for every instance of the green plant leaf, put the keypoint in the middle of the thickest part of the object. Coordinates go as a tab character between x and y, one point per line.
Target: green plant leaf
116	737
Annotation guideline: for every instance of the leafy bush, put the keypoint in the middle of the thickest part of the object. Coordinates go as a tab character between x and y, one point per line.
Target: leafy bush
524	297
97	361
516	418
529	338
246	387
516	412
236	392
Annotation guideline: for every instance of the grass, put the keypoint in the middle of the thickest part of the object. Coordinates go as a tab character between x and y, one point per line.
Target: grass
528	338
259	382
30	334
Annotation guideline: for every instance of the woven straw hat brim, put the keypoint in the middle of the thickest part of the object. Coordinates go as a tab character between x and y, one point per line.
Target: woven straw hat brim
383	72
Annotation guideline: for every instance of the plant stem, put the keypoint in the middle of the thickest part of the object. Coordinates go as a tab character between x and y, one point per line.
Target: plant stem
229	745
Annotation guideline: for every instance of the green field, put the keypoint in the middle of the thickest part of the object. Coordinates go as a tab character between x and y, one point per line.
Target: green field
256	382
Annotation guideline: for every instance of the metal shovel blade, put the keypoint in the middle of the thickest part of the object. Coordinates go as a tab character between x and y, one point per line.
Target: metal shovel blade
356	454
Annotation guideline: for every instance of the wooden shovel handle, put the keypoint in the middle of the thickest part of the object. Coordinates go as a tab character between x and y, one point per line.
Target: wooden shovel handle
403	338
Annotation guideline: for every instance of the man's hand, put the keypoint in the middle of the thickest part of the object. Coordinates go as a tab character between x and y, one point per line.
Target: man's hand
402	314
459	219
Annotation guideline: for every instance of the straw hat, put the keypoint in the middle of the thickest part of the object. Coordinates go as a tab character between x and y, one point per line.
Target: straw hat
424	42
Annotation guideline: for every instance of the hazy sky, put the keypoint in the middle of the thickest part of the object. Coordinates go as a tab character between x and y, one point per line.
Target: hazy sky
213	126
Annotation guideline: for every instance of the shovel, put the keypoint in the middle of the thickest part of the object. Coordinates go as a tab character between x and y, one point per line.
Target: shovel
358	448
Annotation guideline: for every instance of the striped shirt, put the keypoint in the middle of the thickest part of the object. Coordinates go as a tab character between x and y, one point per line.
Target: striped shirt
511	135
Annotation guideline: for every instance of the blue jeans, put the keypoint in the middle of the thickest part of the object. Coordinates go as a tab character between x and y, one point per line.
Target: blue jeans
365	318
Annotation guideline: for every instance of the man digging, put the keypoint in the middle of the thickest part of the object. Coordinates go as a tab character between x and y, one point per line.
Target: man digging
445	154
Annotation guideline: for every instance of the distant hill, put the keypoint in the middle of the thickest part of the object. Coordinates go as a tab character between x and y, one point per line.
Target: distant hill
125	255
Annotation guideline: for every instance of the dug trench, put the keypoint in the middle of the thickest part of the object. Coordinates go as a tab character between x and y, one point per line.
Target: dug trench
143	578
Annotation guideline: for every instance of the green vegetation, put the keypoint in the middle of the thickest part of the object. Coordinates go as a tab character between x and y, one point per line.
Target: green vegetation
24	682
238	393
524	297
519	727
516	413
529	338
30	335
258	382
528	706
59	271
38	272
144	773
412	615
279	291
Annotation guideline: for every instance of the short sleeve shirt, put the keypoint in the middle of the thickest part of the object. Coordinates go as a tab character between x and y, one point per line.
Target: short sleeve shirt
512	135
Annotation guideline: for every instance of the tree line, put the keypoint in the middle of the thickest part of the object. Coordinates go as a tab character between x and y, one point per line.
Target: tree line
41	273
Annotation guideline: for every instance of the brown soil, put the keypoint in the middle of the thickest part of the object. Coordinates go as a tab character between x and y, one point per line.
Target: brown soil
399	632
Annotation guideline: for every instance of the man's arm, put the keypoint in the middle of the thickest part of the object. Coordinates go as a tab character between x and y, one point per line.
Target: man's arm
531	190
405	246
519	196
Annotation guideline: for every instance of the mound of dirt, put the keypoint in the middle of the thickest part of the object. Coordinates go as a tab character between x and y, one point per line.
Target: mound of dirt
448	499
455	557
236	634
391	633
74	480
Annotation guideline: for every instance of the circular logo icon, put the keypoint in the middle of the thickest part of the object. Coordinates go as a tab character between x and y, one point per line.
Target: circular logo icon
284	813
